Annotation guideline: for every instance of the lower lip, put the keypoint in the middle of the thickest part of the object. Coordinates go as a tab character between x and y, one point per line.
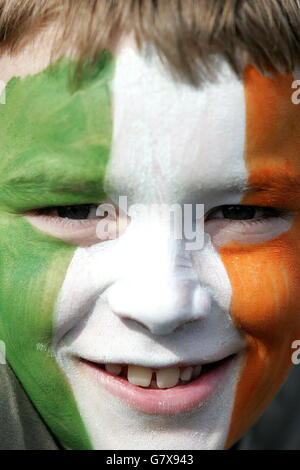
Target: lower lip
162	402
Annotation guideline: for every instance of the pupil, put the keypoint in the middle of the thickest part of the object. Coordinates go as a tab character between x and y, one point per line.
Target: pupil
74	212
238	212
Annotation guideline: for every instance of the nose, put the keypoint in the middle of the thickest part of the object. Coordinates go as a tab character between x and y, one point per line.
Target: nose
160	307
157	284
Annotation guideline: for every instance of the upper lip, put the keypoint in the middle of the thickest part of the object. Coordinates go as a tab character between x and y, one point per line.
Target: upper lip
160	365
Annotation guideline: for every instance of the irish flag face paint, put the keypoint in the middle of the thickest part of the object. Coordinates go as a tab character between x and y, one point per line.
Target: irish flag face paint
73	305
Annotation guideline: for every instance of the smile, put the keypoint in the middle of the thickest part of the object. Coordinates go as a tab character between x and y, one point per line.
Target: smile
167	390
154	378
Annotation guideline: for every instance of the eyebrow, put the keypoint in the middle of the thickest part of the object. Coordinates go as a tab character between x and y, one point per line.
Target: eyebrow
277	182
25	191
275	185
59	182
278	186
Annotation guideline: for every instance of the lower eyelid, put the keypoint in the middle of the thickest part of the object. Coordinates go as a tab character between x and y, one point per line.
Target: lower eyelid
223	231
233	225
81	233
72	224
66	220
258	220
63	222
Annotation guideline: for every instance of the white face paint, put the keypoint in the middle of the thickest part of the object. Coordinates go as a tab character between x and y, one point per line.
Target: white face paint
143	299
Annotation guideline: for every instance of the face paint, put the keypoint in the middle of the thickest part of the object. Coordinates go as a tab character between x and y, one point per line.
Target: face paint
142	299
55	145
132	300
138	296
265	277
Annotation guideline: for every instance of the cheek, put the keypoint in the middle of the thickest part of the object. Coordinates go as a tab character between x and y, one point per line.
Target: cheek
265	281
32	269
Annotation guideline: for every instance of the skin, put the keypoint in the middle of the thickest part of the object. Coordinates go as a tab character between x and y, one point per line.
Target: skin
124	300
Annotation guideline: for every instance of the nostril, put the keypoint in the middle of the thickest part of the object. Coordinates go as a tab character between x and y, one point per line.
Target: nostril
155	328
131	322
183	324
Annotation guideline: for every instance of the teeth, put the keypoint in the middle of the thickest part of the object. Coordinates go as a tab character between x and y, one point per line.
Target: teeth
167	378
163	378
139	375
196	371
114	369
186	374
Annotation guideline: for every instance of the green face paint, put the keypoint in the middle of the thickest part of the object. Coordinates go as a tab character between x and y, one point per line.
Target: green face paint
55	145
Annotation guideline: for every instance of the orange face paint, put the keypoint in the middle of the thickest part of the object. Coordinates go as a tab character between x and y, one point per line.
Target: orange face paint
265	277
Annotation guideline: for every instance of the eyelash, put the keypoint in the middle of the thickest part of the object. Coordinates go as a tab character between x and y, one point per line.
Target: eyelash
46	214
268	214
84	232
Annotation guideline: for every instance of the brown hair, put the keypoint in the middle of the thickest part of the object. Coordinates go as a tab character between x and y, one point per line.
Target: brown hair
187	33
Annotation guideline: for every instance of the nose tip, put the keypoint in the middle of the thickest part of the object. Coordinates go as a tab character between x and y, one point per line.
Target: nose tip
163	309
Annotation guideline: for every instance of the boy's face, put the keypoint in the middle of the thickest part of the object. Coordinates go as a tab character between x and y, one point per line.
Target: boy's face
72	299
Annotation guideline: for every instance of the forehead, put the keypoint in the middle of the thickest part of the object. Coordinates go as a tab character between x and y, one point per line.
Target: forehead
175	142
171	138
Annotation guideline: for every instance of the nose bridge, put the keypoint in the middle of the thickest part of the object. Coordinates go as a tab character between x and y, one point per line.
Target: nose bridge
158	287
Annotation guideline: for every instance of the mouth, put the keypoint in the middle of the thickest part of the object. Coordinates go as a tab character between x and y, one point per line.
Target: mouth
168	390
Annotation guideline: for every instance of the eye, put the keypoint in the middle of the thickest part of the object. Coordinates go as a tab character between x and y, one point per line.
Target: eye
240	212
246	224
81	224
80	212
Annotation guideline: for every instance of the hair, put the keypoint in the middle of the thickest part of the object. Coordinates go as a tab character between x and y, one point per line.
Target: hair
188	34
